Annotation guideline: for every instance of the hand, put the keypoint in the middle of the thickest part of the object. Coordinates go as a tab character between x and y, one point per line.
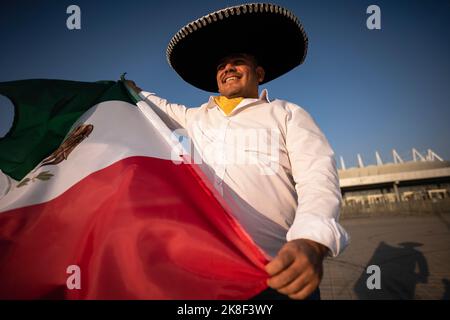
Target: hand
133	86
297	269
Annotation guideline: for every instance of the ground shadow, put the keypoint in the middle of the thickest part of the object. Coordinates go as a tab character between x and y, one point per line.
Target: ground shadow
446	295
402	268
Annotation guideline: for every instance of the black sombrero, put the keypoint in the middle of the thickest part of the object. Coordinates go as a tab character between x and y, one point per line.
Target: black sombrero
271	33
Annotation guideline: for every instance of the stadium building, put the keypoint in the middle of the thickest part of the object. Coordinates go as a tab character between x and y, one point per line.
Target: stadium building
423	178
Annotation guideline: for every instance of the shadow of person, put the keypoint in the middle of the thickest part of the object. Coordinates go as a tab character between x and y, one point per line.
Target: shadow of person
446	295
398	274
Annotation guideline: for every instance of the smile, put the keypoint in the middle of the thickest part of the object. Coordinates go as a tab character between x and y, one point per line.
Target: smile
230	79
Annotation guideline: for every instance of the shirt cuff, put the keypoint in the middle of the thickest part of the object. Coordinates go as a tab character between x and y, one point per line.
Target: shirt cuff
326	231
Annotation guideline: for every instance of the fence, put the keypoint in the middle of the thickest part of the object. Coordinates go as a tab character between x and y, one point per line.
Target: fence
411	207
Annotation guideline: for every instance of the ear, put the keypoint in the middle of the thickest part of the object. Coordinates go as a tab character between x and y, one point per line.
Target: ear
260	73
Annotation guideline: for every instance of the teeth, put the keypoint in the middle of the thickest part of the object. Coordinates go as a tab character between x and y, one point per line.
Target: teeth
230	78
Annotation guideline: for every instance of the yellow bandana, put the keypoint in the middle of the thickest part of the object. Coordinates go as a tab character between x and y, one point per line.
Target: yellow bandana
227	105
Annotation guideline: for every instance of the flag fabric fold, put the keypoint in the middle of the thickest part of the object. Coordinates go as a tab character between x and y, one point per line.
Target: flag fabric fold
97	208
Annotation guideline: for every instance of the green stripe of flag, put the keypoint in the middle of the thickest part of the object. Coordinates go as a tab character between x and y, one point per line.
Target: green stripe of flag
45	110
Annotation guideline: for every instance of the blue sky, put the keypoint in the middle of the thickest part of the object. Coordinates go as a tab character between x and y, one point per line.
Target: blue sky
367	89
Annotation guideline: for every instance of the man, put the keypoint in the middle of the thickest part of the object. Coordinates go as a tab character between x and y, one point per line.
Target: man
288	197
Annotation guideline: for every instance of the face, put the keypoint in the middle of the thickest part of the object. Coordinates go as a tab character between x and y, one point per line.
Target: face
239	76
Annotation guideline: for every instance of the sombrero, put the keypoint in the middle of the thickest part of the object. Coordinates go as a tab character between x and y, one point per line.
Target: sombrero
272	34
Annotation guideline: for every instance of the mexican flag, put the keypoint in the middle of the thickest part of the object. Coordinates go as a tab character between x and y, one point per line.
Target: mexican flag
99	201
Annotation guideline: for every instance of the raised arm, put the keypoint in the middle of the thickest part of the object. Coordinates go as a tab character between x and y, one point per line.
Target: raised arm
174	115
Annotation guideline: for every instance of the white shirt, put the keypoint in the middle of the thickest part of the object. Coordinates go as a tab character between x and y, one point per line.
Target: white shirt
271	163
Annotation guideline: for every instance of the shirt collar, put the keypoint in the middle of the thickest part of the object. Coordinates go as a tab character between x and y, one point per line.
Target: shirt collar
263	97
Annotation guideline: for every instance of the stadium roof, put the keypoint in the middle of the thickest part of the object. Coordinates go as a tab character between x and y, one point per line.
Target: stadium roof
392	172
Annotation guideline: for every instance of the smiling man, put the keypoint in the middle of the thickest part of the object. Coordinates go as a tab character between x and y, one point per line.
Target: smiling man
284	190
239	76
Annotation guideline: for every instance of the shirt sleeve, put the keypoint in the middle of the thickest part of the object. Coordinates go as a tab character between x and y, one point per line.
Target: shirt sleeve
175	116
316	183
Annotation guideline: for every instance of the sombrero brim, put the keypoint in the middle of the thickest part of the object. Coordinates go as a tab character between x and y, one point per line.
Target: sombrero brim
269	32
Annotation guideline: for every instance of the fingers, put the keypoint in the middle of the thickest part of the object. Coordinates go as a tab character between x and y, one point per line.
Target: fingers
282	261
295	286
285	277
299	283
304	293
301	286
297	269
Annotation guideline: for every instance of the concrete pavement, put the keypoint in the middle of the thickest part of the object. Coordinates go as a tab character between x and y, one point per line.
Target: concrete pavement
413	253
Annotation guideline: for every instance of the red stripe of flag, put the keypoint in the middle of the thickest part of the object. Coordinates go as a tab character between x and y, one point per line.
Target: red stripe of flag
142	228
